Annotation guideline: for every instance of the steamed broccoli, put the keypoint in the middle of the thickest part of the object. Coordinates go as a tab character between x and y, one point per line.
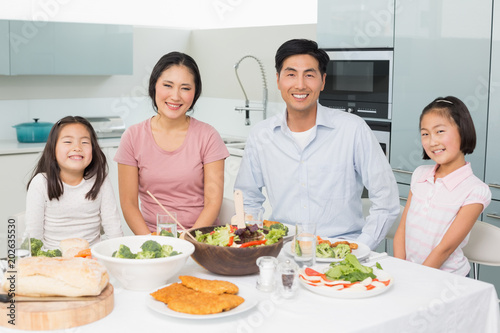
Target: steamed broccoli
340	251
151	246
324	250
166	250
146	255
124	252
49	253
279	226
150	250
36	245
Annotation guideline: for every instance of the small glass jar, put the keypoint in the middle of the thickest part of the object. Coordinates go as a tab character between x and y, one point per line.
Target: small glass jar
267	278
288	272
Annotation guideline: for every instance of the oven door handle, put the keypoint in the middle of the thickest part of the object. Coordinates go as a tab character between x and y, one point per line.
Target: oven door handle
403	171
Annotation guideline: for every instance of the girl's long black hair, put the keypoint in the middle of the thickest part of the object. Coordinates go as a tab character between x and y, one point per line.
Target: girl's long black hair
48	162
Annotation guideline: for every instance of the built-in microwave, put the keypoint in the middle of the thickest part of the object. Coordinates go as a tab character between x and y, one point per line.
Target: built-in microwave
359	81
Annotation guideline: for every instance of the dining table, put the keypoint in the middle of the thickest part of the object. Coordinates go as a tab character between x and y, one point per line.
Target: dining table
420	299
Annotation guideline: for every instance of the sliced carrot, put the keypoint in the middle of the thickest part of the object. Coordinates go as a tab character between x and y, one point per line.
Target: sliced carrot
84	253
370	287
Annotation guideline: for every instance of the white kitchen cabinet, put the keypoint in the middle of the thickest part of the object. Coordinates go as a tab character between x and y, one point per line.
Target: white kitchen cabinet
56	48
15	172
110	153
355	24
440	48
231	167
492	172
4	48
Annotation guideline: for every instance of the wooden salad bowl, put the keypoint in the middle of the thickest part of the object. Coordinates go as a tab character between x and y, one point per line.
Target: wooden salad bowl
230	260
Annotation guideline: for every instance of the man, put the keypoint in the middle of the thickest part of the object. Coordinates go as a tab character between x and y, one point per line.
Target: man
314	161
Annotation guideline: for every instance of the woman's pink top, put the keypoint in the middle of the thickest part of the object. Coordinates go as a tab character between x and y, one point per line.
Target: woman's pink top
433	208
176	177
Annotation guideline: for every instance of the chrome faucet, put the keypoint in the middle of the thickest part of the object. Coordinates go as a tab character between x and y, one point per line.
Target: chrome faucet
247	107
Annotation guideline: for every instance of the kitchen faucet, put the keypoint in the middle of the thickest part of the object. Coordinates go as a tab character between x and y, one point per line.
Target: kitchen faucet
247	107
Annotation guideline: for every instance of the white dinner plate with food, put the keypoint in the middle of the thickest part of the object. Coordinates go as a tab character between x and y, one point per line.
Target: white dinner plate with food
362	252
160	307
356	290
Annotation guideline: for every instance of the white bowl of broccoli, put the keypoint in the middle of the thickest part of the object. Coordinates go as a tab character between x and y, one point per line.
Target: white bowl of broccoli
143	262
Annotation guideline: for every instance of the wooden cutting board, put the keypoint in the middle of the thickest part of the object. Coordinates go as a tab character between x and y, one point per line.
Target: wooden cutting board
58	315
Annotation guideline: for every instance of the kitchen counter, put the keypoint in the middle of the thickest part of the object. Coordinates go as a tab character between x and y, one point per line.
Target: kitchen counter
9	147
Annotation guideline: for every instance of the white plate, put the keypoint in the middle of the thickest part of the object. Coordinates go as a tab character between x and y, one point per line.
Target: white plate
160	307
347	292
362	252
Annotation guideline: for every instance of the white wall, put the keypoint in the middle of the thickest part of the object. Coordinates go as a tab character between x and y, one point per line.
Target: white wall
191	14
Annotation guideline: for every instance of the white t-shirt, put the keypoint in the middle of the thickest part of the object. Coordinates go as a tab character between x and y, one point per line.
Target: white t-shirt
72	216
302	137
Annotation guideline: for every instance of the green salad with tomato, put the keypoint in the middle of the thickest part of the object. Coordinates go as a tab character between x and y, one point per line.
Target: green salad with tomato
250	236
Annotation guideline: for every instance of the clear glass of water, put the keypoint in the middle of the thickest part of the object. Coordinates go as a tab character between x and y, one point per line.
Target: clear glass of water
166	225
254	217
23	245
305	244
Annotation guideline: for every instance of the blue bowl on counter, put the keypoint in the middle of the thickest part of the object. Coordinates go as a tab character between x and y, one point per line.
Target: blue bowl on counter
33	132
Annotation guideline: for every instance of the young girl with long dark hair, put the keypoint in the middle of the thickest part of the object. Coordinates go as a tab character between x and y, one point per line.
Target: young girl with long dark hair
69	194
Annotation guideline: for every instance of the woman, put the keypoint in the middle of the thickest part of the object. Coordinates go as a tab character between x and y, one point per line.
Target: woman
179	159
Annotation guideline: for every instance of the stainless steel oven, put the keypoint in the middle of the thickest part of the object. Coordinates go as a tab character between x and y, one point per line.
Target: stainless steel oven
382	131
359	81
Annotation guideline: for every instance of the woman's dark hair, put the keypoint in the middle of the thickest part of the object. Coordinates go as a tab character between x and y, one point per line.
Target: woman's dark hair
167	61
48	161
455	110
301	46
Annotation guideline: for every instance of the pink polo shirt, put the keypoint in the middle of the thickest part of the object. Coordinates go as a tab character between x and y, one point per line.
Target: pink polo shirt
433	208
176	177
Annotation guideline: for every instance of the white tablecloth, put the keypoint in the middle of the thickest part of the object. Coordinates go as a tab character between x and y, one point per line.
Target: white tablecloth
421	300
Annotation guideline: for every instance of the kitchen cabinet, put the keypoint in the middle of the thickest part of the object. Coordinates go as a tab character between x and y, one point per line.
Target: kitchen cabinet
355	24
231	167
16	172
55	48
492	172
440	48
4	48
110	153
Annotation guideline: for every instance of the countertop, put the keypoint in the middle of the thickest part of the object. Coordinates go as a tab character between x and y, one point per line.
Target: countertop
11	147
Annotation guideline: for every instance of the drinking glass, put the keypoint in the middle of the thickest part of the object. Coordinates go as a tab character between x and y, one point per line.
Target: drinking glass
16	246
166	225
254	217
305	243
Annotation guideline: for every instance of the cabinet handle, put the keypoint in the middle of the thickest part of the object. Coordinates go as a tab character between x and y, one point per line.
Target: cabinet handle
403	198
493	216
494	186
402	171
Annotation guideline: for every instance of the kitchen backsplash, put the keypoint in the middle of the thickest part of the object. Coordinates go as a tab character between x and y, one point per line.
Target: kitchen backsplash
215	111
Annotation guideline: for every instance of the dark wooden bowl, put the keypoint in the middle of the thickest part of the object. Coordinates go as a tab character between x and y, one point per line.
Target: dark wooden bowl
230	260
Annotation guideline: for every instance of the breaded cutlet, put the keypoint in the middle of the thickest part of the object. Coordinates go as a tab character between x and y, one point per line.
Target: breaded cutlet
172	291
205	303
209	286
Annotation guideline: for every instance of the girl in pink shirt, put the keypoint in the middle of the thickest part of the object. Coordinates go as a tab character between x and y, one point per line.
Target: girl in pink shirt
175	157
445	199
